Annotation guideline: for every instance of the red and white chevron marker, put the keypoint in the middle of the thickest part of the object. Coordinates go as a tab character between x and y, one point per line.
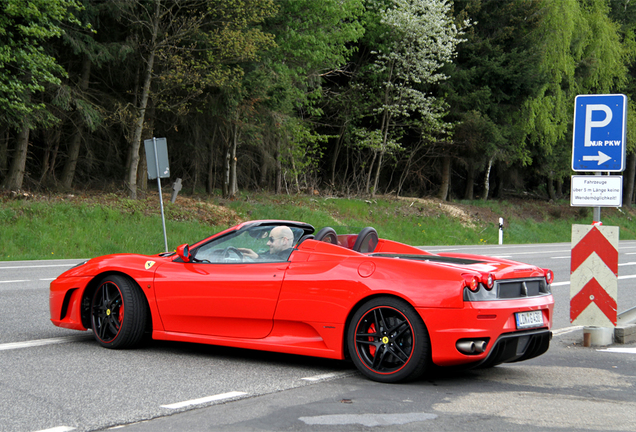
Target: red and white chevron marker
594	275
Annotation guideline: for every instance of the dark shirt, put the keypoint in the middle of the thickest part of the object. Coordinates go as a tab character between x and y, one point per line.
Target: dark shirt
279	256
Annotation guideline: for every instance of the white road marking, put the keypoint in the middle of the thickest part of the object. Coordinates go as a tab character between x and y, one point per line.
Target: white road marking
619	350
501	256
203	400
628	263
563	257
58	429
28	280
36	266
368	420
326	376
40	342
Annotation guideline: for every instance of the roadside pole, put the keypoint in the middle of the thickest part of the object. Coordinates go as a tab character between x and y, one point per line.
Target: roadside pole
157	150
501	226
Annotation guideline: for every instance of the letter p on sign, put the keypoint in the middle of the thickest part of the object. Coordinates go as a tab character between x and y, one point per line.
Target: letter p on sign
589	123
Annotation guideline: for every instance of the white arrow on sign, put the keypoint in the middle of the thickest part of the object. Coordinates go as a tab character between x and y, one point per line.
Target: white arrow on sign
601	158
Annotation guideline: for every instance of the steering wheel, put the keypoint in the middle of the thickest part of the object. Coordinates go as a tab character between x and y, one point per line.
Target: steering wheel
231	250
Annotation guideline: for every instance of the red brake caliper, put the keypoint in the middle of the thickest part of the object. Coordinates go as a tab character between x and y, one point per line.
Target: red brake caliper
371	339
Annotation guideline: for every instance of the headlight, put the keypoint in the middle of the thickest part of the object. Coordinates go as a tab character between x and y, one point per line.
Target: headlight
77	265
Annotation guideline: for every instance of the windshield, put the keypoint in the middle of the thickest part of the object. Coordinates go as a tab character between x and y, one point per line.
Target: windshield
251	244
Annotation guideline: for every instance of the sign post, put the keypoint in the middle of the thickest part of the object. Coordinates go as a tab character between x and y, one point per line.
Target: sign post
157	152
598	145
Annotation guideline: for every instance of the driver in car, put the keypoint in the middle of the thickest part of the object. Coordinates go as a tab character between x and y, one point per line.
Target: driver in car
280	242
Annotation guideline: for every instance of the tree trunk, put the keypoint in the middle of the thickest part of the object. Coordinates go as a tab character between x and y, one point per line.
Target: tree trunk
233	164
142	174
550	184
141	114
278	188
334	157
487	179
367	189
148	133
470	181
210	183
446	172
628	179
4	152
15	176
74	146
559	188
262	182
377	174
52	138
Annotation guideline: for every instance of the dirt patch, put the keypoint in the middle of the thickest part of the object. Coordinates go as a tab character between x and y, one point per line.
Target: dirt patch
451	210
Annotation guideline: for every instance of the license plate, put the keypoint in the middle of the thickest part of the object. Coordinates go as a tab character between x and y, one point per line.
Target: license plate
529	319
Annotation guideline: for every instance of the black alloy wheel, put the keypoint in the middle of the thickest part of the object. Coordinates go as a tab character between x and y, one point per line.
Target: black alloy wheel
388	341
118	312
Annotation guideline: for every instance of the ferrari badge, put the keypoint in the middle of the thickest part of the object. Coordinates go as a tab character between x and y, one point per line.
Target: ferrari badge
149	264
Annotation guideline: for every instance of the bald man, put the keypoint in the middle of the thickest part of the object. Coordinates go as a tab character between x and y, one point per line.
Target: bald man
280	242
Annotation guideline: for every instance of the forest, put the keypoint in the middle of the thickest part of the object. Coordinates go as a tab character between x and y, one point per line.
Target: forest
461	100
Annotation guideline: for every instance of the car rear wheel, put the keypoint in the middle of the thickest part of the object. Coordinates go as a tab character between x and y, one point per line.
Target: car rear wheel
388	341
118	312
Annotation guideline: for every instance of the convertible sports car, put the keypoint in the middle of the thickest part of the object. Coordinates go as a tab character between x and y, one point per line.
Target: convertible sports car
393	309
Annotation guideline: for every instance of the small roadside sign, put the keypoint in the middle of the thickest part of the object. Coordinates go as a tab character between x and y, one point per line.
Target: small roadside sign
161	160
598	141
596	191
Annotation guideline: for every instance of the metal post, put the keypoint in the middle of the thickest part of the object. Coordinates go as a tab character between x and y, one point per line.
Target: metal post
163	219
596	211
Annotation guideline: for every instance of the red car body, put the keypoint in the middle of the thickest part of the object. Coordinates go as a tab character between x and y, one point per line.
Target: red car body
392	308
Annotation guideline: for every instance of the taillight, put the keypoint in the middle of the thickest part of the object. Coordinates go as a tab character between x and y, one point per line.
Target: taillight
549	276
488	281
472	282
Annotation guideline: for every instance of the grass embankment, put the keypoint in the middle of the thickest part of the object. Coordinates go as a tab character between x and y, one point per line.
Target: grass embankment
85	226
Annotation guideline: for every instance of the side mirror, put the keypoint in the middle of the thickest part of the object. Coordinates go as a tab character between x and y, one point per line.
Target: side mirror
184	252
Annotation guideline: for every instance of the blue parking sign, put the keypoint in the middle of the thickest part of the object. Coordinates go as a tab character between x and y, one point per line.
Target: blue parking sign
598	141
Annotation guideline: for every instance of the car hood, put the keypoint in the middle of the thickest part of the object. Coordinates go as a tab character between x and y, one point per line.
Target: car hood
118	262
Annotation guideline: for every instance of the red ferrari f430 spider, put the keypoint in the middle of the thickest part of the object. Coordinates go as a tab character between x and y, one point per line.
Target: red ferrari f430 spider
393	309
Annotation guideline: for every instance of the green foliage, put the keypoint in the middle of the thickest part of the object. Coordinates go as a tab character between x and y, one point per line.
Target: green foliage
47	230
582	55
25	67
356	96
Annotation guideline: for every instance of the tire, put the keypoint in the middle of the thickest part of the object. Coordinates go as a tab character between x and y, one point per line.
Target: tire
118	313
388	341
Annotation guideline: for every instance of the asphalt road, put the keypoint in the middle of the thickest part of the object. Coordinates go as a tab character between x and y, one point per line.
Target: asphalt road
57	379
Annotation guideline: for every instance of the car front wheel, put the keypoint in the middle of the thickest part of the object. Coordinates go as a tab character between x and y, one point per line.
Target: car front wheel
388	341
118	312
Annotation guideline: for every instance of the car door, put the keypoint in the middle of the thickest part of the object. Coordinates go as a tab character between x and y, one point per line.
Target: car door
219	299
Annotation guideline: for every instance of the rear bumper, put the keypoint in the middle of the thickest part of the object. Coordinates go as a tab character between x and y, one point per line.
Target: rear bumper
514	347
493	322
